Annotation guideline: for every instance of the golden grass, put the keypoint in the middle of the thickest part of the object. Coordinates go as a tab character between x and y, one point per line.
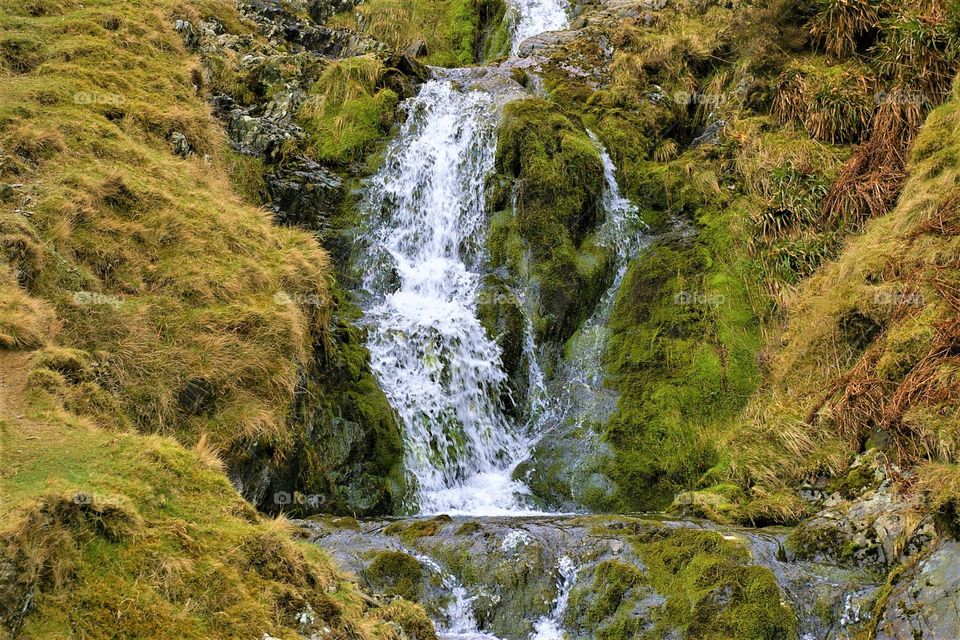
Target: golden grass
841	23
25	322
150	261
134	276
871	341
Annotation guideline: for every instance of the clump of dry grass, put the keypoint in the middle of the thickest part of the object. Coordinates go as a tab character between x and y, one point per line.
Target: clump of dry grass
25	322
834	104
871	343
841	24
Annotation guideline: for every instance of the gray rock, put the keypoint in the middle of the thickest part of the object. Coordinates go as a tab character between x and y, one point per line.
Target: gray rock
416	49
925	603
710	135
508	567
302	193
181	146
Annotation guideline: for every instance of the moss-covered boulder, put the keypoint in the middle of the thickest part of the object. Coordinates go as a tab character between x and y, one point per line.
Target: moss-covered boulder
395	573
348	457
687	583
546	195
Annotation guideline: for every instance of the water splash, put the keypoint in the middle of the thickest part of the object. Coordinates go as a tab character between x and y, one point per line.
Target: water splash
533	17
579	392
460	622
550	627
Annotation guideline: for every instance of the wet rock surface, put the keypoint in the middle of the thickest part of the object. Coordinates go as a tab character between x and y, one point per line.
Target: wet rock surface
863	520
304	193
348	453
925	602
626	574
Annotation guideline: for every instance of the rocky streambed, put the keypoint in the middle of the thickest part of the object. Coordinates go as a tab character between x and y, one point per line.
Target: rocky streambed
554	576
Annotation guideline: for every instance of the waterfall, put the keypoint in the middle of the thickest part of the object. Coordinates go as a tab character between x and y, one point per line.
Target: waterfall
533	17
549	627
432	356
578	392
460	622
424	264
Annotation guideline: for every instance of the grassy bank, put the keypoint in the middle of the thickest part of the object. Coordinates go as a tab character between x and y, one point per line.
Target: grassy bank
152	324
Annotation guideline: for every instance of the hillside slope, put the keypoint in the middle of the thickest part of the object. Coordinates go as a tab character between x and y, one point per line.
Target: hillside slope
152	324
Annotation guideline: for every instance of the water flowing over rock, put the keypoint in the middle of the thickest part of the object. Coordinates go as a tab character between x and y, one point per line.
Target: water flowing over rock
440	370
533	17
552	577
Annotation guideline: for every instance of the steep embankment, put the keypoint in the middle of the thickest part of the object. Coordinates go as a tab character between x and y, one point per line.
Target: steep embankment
140	294
758	140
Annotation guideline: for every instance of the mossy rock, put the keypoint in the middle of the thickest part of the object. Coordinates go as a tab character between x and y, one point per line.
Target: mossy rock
711	590
410	531
541	231
395	573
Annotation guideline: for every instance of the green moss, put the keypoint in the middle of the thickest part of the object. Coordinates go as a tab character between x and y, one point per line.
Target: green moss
682	352
855	482
348	111
396	574
817	543
350	448
468	528
547	188
607	607
410	531
711	591
455	32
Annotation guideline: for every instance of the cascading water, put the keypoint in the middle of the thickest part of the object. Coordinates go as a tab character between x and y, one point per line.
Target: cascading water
577	393
429	351
549	627
533	17
438	367
460	623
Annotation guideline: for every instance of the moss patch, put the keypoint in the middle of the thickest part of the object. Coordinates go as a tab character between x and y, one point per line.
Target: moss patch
546	192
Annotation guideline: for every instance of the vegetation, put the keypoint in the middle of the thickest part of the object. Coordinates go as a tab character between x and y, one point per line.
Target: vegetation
452	32
547	185
726	327
396	574
348	109
145	346
708	590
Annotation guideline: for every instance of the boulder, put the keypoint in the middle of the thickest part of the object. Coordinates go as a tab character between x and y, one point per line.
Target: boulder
925	601
305	194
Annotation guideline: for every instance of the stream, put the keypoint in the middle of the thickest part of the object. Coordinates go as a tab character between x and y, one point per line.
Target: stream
494	566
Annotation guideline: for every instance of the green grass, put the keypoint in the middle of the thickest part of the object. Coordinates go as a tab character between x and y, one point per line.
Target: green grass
118	534
454	31
143	344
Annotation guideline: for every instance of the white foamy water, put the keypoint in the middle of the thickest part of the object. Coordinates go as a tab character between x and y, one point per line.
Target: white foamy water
440	370
550	627
533	17
460	622
432	356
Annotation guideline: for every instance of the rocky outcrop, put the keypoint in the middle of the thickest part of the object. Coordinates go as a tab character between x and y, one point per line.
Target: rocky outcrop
305	194
347	456
924	601
602	577
863	520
